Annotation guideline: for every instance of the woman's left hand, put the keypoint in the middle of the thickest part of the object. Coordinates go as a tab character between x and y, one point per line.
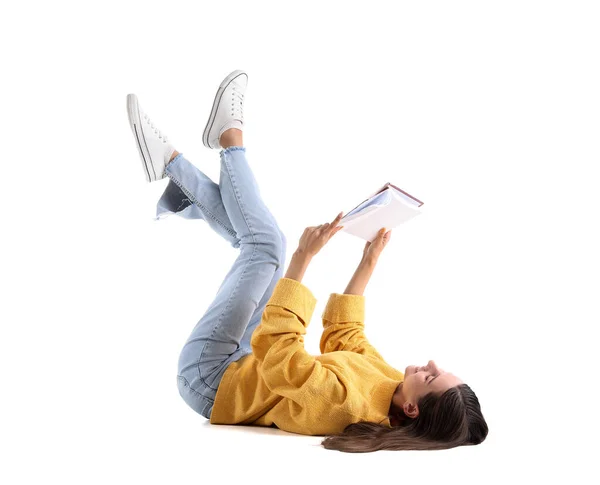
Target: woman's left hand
315	237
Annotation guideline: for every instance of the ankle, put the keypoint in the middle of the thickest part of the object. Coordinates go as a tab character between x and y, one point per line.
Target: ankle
231	137
175	153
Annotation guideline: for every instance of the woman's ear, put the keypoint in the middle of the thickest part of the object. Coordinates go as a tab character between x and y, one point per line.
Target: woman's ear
411	410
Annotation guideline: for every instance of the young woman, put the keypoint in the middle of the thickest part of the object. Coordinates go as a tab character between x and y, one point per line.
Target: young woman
245	363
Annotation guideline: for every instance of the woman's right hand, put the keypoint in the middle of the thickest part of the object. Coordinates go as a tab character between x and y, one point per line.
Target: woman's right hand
373	249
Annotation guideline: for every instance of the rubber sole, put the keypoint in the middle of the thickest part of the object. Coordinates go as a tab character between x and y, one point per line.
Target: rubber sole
215	106
133	112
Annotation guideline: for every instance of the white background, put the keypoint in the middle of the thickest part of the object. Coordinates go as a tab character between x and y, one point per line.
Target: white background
486	111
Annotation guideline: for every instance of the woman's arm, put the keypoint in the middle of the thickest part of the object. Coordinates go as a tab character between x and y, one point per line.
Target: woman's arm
344	315
358	283
361	276
298	264
368	262
312	240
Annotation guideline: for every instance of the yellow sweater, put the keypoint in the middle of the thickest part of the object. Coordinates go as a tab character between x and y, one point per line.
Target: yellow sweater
280	384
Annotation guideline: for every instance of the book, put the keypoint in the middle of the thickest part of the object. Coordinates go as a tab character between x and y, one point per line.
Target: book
388	207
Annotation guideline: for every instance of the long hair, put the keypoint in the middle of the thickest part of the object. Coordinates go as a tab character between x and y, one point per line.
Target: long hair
445	421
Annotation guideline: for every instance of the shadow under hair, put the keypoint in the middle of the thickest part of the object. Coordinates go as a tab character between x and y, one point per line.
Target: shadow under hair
445	421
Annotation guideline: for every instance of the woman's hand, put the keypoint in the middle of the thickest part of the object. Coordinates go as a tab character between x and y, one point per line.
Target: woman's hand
315	237
373	249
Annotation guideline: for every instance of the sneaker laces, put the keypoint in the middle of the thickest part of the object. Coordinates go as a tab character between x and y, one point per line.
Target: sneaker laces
161	136
237	104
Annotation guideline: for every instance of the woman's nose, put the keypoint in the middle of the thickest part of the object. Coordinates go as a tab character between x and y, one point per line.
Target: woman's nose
434	368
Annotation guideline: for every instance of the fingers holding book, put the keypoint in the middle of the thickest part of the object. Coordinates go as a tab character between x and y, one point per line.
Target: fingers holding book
315	237
333	226
374	248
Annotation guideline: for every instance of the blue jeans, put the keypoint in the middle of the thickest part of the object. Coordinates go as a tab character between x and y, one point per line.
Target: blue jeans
235	210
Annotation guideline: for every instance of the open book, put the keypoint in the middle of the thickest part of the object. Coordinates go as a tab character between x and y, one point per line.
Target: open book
389	207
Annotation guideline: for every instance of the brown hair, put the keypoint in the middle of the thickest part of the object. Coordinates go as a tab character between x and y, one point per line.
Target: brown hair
445	421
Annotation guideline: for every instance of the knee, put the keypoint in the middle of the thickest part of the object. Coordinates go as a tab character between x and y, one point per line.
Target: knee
273	244
283	242
283	248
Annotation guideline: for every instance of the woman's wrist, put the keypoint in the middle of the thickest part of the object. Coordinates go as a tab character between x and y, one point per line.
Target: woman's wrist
370	261
298	265
361	276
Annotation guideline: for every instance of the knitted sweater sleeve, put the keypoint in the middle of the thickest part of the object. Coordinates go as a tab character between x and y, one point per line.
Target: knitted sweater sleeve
343	326
278	343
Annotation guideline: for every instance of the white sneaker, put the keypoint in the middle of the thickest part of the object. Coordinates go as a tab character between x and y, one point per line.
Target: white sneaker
228	109
153	145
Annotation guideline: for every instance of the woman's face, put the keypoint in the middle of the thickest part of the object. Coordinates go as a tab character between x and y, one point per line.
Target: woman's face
419	381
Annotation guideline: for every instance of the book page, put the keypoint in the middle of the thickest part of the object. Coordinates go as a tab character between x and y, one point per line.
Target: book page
395	210
378	199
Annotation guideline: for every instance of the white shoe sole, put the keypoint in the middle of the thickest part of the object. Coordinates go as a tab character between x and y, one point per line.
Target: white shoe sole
219	95
133	111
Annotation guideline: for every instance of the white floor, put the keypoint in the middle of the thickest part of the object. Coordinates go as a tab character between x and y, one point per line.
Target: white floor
486	111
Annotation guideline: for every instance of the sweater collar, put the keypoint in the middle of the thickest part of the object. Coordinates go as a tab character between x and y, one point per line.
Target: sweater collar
381	399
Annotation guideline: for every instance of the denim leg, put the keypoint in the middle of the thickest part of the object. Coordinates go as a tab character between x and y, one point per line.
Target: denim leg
257	316
175	201
217	339
191	194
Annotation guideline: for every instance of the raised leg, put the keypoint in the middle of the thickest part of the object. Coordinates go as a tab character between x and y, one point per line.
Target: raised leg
222	335
191	194
257	315
175	201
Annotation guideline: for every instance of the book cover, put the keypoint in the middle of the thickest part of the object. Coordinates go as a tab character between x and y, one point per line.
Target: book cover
387	207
